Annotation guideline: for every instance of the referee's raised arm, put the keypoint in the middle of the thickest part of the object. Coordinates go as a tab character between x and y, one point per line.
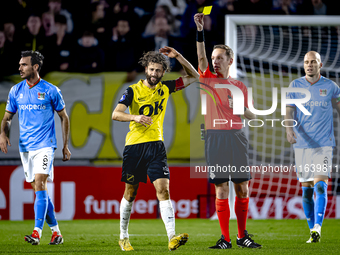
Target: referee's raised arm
201	54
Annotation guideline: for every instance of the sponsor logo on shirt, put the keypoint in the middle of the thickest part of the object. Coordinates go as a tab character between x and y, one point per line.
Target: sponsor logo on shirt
122	98
323	92
41	95
32	107
315	103
141	99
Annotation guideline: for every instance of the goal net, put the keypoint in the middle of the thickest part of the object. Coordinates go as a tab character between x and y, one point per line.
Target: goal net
269	52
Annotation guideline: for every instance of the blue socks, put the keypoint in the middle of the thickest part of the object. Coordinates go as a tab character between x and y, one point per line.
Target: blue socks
50	215
40	208
315	212
308	205
320	201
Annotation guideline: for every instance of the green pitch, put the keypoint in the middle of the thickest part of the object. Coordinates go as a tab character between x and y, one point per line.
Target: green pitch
148	237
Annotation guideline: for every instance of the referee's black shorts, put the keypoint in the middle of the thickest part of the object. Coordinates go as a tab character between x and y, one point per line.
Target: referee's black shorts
226	152
142	160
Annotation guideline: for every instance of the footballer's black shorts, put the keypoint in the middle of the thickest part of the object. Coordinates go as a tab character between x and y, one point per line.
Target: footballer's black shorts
142	160
226	152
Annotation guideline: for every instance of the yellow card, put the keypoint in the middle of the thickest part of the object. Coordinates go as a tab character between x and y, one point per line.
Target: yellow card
207	10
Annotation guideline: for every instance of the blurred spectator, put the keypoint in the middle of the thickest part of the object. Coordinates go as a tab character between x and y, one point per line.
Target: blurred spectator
163	11
214	33
19	9
177	7
89	57
55	8
144	8
98	23
188	26
162	38
318	7
284	8
9	29
122	53
226	7
33	38
8	62
277	5
253	6
119	8
65	46
47	19
33	34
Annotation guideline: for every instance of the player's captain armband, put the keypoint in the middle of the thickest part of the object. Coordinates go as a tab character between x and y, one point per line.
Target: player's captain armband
179	84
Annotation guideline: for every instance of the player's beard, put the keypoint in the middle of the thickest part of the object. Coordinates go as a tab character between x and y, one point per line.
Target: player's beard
28	75
151	83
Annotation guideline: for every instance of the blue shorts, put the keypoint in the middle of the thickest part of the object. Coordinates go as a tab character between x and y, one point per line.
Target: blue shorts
142	160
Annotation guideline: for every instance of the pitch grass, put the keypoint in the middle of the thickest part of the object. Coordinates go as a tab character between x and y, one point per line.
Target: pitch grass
148	237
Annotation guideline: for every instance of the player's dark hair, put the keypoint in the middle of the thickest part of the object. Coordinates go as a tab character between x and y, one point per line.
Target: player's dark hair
36	57
155	57
228	51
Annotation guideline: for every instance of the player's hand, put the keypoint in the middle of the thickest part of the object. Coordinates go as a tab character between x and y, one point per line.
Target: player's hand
168	51
66	154
144	120
4	140
198	18
291	136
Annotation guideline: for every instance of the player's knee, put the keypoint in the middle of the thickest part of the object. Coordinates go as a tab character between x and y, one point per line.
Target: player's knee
40	185
222	193
241	190
222	190
130	192
242	193
163	194
40	182
130	196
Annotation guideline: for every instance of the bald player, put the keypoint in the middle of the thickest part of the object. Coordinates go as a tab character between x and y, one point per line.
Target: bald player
313	139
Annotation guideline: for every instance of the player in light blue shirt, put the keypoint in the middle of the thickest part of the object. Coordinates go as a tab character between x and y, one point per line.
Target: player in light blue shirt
35	104
313	139
35	100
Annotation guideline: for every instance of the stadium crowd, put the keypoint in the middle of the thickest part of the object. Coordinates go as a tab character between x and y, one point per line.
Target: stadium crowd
92	36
